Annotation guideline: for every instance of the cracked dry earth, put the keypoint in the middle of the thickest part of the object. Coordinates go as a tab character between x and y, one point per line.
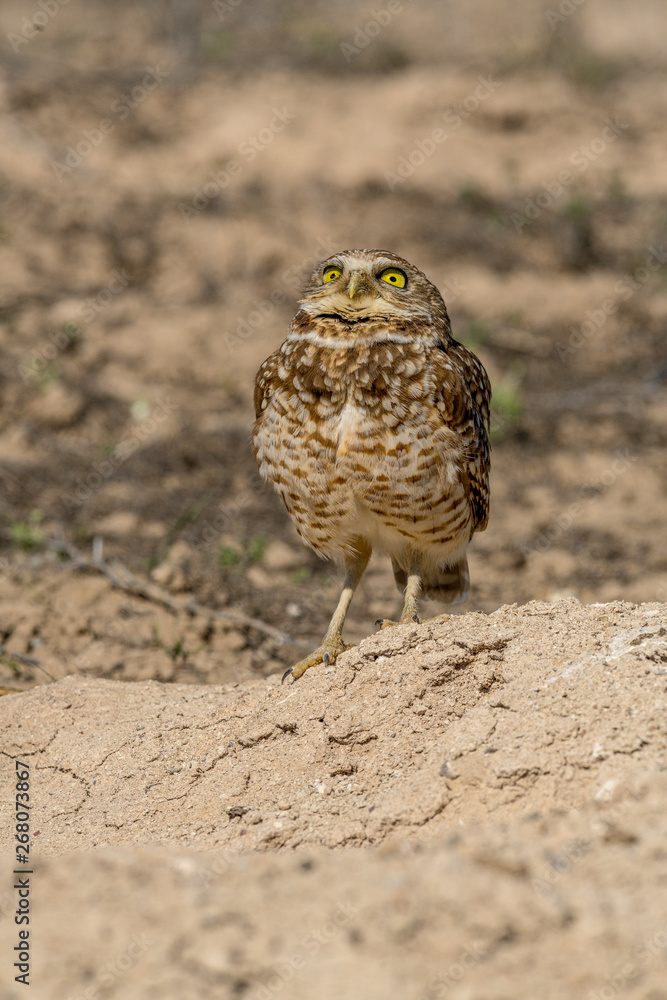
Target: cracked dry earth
493	788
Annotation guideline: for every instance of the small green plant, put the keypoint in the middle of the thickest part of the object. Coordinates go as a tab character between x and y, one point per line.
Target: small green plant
578	207
256	548
578	211
140	408
476	335
471	195
83	532
586	69
7	661
239	555
229	557
217	45
178	649
515	317
46	377
27	534
300	575
567	51
74	333
617	190
318	44
506	405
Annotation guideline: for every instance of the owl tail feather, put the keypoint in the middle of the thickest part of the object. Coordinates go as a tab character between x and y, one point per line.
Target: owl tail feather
450	584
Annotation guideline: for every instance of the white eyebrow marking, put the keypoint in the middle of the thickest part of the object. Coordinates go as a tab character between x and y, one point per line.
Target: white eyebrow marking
383	337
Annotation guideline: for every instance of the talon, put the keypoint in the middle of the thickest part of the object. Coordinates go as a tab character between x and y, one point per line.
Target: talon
380	621
417	619
327	653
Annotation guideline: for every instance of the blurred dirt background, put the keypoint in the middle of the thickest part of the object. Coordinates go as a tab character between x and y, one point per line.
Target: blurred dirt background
169	173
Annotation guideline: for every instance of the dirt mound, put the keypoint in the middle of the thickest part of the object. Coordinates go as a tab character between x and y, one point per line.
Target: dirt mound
478	761
169	174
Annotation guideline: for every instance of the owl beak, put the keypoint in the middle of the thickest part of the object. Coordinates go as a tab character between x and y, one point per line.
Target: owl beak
357	281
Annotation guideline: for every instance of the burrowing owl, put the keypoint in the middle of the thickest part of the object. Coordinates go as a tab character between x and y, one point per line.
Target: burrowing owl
372	426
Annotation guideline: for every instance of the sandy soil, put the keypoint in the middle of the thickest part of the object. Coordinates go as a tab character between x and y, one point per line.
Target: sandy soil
452	806
168	176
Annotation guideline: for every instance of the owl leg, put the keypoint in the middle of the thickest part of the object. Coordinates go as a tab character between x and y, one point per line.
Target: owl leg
410	608
332	644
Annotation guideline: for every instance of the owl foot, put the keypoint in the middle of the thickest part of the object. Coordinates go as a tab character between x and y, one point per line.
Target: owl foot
326	654
388	623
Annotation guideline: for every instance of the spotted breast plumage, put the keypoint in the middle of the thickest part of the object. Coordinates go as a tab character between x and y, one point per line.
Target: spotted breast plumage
371	422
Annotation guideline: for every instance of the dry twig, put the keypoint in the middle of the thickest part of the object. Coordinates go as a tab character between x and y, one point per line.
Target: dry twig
123	579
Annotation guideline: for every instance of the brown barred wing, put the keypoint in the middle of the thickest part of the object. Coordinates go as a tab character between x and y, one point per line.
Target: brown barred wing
465	398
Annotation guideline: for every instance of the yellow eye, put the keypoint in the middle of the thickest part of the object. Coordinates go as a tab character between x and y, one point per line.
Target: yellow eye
331	273
393	277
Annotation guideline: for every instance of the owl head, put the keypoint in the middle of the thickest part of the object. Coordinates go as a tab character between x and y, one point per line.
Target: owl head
358	285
